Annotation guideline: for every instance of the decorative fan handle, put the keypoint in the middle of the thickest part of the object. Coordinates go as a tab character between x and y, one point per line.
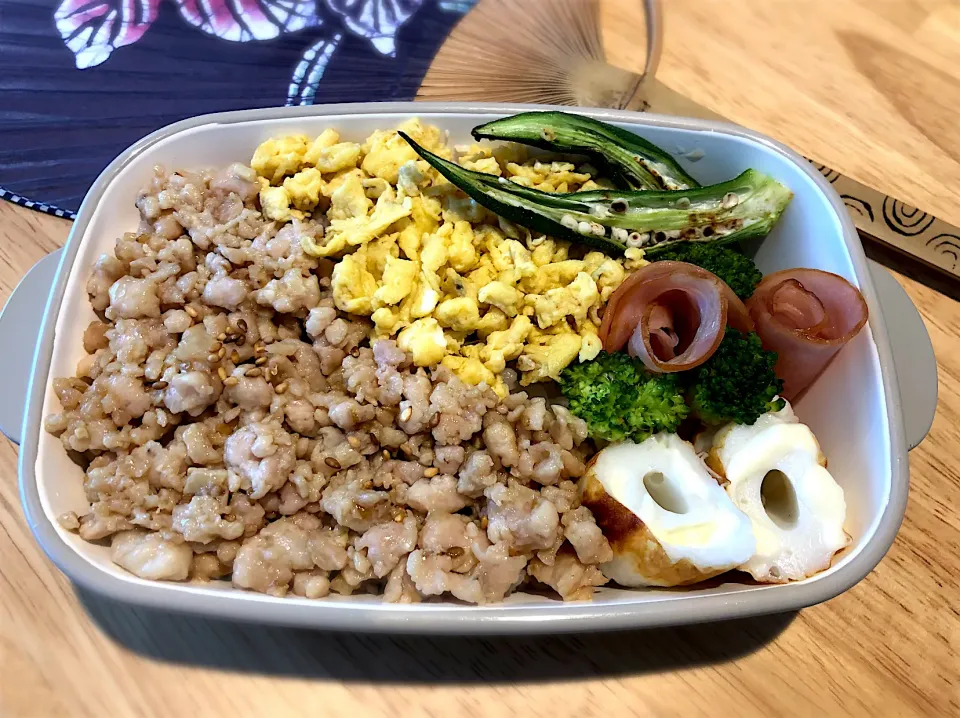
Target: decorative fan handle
654	24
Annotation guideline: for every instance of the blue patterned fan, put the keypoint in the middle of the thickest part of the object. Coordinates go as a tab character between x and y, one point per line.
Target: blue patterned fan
83	79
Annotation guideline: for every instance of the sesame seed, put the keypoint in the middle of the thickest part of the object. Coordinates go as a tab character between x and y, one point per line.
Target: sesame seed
242	326
281	387
212	358
455	552
253	372
215	347
221	336
160	385
484	522
332	463
260	361
386	455
191	311
222	353
431	472
406	414
231	381
353	441
398	517
235	357
222	373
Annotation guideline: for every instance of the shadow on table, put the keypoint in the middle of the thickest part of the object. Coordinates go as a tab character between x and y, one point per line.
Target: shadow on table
411	659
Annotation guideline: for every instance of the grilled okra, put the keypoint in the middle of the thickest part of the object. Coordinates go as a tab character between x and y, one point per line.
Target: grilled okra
613	220
630	160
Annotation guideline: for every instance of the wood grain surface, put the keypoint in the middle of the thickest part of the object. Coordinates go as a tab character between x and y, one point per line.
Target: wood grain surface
870	87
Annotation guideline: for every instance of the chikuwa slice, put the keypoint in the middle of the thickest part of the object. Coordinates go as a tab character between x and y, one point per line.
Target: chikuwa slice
667	519
776	474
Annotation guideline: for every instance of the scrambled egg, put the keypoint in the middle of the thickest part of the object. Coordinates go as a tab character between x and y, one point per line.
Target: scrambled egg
454	284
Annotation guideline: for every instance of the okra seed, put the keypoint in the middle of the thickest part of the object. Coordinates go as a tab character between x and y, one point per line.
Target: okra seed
598	229
730	200
683	203
548	134
620	205
636	239
619	234
584	228
568	221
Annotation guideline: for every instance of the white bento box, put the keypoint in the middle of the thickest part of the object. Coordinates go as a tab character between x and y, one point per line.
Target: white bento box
854	408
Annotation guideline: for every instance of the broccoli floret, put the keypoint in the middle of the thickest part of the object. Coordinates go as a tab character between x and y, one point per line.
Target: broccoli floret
737	383
619	399
734	268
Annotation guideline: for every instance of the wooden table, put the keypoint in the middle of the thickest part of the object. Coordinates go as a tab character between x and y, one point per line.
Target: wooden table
870	87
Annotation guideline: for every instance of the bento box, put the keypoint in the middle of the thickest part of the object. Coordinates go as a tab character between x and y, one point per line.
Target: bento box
855	408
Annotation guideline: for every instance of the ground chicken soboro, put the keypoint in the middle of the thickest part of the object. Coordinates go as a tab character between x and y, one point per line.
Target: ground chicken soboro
232	423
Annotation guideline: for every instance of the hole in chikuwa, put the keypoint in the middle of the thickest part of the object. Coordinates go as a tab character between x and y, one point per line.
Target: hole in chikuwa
664	493
779	499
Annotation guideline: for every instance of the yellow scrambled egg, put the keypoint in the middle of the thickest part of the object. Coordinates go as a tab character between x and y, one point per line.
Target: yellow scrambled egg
454	284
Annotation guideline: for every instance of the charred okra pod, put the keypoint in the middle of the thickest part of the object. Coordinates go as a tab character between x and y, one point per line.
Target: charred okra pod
613	220
631	161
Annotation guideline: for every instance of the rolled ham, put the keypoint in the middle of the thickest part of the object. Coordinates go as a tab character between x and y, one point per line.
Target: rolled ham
672	316
806	316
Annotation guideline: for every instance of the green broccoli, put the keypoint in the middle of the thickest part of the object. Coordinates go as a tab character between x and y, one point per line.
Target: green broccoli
734	268
619	399
737	383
